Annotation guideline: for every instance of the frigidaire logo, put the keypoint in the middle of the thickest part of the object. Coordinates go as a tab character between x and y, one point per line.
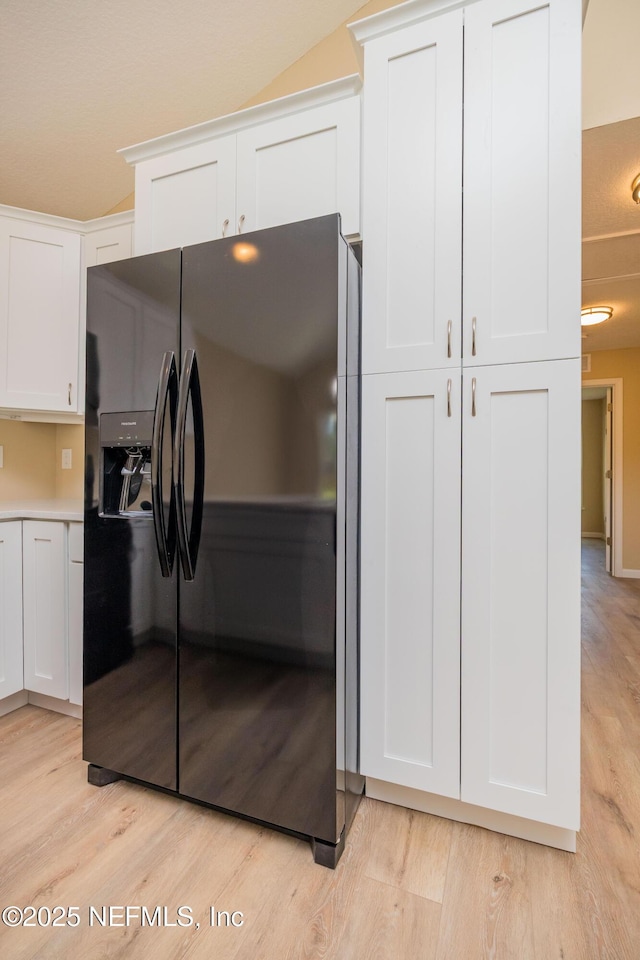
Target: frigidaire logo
128	423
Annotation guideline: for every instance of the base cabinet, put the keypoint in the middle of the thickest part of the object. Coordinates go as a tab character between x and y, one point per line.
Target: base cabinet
521	590
10	608
75	596
44	564
512	670
410	580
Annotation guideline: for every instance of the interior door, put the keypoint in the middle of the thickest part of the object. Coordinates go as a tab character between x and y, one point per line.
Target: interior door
608	480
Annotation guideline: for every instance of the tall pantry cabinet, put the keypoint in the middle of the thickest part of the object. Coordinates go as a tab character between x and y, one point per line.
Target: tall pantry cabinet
470	419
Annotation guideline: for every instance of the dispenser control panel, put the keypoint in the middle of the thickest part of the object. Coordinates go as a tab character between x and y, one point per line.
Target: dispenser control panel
126	429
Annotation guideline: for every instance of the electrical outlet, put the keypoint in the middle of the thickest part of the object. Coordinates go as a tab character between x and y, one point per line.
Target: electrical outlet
66	459
1	456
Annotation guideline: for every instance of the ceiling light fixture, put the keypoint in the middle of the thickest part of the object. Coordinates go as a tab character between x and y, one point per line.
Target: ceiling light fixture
591	315
635	189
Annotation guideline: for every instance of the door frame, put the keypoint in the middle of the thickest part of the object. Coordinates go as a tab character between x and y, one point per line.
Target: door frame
615	383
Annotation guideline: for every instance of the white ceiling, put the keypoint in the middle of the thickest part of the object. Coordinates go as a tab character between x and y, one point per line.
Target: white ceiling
80	79
611	265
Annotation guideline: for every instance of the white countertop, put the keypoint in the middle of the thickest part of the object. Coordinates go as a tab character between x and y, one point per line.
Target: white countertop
42	509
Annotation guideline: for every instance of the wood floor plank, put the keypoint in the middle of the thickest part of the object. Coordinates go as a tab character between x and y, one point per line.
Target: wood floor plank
411	850
486	910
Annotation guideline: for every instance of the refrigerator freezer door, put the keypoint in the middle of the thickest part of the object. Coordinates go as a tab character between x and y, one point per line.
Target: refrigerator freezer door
130	609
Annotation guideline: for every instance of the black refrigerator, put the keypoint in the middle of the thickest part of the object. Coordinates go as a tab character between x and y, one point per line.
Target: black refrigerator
221	527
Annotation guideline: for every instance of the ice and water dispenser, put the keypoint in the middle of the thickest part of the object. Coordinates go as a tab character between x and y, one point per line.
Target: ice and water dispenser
125	446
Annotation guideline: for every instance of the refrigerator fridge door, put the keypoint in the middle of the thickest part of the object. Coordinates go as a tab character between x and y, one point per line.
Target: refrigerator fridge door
257	674
130	608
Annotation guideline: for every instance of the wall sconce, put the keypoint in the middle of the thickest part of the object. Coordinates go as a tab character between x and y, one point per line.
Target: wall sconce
591	315
635	189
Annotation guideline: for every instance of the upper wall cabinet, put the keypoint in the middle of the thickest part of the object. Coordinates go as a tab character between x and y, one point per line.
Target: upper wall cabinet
108	239
287	160
412	194
515	198
39	316
522	143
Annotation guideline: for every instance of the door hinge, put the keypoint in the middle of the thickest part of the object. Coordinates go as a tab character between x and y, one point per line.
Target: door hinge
609	408
608	541
608	475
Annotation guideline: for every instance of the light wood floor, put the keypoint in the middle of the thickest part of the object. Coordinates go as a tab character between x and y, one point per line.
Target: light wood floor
409	885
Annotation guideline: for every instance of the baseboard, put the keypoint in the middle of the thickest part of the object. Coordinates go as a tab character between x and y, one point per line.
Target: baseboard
542	833
16	700
58	706
593	536
631	574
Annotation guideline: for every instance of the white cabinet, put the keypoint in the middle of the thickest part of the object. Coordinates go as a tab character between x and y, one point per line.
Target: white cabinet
108	239
517	123
301	166
287	160
521	590
470	405
186	196
42	297
522	199
412	198
44	565
10	608
39	316
410	608
75	595
105	240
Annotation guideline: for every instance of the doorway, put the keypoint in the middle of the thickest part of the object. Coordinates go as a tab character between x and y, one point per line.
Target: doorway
602	504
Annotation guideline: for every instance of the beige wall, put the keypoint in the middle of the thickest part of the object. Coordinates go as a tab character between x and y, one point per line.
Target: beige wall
625	364
32	458
70	483
593	466
332	58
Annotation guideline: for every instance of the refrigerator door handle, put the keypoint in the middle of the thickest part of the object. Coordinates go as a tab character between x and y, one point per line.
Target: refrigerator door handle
189	539
167	389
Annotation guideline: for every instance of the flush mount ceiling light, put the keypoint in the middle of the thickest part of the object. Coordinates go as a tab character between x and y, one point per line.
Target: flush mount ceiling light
591	315
635	189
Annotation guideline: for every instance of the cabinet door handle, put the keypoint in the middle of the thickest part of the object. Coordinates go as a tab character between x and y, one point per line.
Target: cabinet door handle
225	224
449	397
449	339
69	395
473	397
240	223
473	336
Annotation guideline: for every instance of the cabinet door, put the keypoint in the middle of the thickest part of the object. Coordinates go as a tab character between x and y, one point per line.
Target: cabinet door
522	143
44	558
108	245
76	590
410	575
186	196
521	590
39	316
100	246
10	608
412	197
301	166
